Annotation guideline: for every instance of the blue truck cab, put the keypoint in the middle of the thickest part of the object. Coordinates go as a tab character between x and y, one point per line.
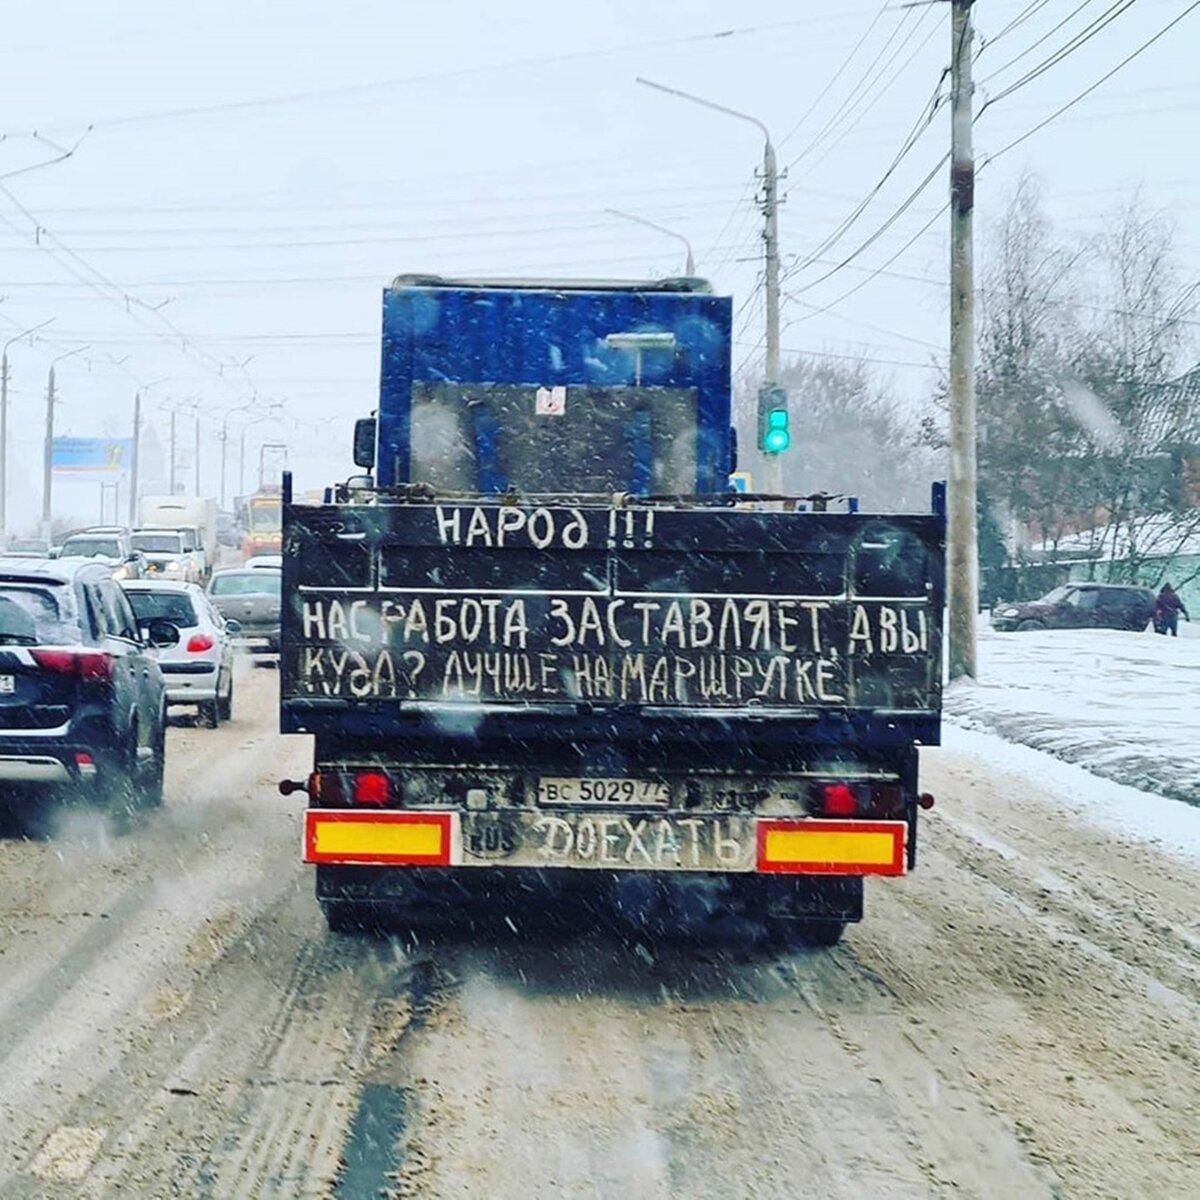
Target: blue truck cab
630	386
543	639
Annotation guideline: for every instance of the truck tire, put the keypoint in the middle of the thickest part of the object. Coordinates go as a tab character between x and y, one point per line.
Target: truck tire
818	933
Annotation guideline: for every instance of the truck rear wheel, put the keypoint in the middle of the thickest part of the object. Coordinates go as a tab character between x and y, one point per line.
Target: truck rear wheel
814	933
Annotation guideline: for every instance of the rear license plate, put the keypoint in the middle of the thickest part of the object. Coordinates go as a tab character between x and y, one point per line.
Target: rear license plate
612	841
621	793
8	685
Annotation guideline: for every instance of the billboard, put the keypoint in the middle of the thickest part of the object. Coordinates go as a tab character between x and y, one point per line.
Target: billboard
92	457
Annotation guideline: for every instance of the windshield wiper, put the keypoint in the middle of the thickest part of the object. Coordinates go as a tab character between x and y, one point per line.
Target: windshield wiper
17	639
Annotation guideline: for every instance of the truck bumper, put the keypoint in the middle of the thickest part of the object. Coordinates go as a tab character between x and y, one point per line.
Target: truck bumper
606	841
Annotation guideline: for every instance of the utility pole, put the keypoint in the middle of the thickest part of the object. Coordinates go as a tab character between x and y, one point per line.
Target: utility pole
172	471
197	455
963	548
48	457
4	418
135	464
772	464
4	445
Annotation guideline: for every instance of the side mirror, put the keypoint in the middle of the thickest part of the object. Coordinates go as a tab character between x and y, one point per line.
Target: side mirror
365	432
233	627
160	634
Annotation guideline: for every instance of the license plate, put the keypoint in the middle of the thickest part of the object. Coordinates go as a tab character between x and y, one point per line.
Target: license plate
620	793
8	685
614	841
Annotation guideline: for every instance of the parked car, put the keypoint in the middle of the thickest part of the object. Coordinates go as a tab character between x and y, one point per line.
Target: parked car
1080	606
25	547
82	699
250	597
259	562
169	554
199	668
111	546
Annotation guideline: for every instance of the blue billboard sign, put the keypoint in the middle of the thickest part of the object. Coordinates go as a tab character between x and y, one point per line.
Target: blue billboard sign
92	456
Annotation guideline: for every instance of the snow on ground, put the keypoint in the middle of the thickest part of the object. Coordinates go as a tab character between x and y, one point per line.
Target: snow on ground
1137	815
1124	705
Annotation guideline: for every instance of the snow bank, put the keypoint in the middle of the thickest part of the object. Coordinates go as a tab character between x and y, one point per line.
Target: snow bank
1135	815
1124	705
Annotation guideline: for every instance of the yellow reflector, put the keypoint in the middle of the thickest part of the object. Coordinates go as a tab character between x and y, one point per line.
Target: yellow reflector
412	839
802	845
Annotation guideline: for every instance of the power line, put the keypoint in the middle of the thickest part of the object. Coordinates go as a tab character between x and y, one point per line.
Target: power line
868	76
1090	89
1033	45
1065	51
834	78
888	362
539	62
1028	11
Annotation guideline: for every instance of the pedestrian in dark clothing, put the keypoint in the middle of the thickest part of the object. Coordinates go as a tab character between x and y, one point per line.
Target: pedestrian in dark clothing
1167	611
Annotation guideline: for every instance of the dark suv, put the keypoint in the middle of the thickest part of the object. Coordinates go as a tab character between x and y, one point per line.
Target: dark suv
82	702
1080	606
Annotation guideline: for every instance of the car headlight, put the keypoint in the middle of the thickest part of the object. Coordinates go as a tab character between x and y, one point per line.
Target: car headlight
174	565
121	572
1008	612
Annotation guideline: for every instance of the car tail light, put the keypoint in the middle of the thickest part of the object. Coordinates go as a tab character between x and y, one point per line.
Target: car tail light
198	643
84	664
838	800
372	787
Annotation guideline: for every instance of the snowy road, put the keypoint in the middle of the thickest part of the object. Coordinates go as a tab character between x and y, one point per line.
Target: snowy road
1017	1018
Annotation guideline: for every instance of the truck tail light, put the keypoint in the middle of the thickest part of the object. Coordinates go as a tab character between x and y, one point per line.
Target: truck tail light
875	799
83	664
838	800
372	787
199	642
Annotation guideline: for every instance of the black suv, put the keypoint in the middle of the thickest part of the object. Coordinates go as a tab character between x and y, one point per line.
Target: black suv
1080	606
82	702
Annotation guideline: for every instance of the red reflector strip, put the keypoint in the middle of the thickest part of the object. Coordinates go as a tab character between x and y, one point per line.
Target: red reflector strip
832	847
334	835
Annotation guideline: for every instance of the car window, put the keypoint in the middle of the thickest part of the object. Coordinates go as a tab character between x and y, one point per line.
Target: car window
1058	595
118	616
247	583
31	616
94	610
176	607
1087	598
91	547
157	543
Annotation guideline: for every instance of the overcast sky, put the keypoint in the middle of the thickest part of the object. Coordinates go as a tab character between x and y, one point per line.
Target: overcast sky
338	145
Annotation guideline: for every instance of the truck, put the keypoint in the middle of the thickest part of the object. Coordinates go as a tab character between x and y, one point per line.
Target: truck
540	641
262	515
193	515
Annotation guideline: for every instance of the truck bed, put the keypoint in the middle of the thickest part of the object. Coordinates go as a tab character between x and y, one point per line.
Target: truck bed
578	618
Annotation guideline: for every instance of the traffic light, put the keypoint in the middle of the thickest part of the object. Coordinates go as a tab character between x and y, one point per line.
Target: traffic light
774	432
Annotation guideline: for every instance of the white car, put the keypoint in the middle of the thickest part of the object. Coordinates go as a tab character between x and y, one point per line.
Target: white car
198	669
167	554
264	562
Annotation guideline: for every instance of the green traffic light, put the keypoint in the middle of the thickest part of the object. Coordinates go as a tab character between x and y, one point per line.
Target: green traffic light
777	440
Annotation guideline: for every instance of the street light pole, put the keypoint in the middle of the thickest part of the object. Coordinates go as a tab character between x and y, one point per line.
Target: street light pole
689	264
4	421
48	445
773	466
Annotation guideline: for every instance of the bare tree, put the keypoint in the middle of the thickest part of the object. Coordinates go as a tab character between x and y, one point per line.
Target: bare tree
851	436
